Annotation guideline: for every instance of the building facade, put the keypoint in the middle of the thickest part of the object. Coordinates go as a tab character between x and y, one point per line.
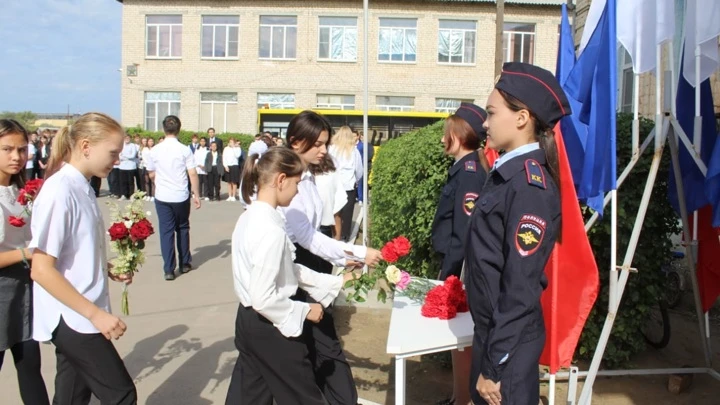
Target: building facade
215	63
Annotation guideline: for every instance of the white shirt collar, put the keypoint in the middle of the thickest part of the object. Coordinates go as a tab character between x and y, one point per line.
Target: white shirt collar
515	152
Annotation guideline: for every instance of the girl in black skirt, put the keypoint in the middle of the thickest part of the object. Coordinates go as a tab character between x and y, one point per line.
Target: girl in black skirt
274	360
231	161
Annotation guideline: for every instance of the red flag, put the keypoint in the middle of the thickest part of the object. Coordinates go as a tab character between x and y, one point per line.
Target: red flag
491	155
572	276
708	260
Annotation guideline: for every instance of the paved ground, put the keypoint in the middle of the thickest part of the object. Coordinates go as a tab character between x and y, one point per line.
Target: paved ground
179	344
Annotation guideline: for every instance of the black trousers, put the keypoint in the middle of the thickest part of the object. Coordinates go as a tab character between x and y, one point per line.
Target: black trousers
89	363
332	370
95	183
126	182
270	365
346	215
213	183
114	182
139	179
203	186
520	378
27	363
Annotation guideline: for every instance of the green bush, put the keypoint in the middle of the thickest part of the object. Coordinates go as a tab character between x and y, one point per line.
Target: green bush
186	136
653	250
409	172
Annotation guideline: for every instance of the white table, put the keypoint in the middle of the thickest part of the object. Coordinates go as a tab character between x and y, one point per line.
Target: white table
411	334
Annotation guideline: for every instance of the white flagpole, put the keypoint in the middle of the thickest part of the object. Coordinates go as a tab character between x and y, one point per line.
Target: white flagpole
366	78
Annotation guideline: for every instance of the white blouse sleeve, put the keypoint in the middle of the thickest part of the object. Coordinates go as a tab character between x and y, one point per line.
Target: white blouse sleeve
51	223
323	288
285	314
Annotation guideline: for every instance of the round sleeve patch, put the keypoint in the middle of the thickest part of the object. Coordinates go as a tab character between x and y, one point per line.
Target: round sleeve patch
529	234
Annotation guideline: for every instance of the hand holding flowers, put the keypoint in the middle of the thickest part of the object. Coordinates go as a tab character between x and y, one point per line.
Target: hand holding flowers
393	276
25	198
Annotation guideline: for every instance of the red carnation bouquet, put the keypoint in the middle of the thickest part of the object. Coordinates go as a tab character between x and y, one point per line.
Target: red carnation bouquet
25	198
395	278
446	300
128	233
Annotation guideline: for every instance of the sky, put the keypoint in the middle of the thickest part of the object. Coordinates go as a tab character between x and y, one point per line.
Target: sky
55	53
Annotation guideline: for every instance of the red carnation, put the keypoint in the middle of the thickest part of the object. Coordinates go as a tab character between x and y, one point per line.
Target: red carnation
32	187
389	254
16	221
22	197
402	245
141	230
118	231
447	312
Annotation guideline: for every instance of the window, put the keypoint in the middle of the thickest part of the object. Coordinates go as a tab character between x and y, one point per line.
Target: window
278	37
456	42
394	103
519	42
449	105
164	36
159	105
335	102
276	101
627	81
398	40
219	111
338	39
220	36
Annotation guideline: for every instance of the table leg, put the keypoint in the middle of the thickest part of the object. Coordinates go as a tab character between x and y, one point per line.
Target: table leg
399	381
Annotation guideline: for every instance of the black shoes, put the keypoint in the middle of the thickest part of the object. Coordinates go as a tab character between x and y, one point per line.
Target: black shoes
186	268
169	276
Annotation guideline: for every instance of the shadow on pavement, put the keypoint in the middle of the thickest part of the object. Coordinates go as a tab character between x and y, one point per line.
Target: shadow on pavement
187	384
206	253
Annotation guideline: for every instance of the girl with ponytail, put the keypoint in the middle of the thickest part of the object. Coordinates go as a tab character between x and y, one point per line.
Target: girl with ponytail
70	268
512	231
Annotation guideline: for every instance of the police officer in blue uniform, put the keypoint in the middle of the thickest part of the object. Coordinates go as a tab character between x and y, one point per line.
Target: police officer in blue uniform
463	133
512	231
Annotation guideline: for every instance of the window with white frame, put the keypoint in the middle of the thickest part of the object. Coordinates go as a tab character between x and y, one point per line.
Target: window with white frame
220	36
395	103
278	37
456	41
449	105
158	105
398	40
219	111
163	36
627	81
519	42
338	39
276	101
335	102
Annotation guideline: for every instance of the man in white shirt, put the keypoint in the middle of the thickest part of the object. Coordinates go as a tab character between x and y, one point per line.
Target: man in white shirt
257	147
171	165
30	165
128	168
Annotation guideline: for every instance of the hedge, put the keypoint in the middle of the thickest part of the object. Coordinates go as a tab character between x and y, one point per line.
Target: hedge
409	172
186	136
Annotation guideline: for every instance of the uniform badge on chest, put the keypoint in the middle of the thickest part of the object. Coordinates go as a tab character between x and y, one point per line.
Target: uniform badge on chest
529	234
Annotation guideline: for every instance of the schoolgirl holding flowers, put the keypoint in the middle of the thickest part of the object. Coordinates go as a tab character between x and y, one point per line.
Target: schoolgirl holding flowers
70	270
15	283
274	361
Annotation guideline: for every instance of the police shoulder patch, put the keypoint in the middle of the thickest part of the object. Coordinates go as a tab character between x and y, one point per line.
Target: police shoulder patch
469	202
470	166
529	234
535	175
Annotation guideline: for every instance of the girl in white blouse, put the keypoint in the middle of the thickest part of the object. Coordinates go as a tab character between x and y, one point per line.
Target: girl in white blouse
350	169
70	269
15	283
231	161
273	361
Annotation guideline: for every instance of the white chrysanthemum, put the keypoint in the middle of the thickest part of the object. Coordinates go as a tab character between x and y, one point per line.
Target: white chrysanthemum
128	224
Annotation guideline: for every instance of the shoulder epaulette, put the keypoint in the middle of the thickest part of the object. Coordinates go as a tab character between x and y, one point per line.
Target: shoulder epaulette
535	175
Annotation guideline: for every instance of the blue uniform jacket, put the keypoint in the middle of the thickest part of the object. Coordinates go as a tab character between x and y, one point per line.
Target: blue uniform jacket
465	180
512	232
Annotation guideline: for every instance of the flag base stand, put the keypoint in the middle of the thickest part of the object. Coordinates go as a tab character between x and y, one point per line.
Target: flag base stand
667	130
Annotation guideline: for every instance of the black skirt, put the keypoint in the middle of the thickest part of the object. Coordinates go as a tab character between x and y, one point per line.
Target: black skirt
15	305
233	176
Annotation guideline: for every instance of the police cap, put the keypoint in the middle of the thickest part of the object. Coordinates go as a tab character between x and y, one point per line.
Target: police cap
474	116
537	89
